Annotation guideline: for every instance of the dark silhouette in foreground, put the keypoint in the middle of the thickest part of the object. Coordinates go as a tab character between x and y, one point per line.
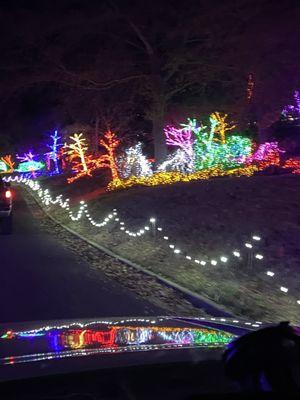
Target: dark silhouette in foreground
266	360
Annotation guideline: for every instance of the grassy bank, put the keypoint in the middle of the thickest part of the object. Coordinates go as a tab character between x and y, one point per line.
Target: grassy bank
207	219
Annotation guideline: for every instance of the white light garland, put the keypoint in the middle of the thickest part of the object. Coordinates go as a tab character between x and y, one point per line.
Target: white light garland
46	199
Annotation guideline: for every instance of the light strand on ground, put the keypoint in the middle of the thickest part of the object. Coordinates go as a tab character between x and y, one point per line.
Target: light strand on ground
152	228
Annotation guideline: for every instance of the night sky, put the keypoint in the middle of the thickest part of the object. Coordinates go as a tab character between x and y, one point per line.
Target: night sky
71	62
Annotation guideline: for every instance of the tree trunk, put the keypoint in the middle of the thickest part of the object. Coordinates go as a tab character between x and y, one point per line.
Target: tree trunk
96	134
160	148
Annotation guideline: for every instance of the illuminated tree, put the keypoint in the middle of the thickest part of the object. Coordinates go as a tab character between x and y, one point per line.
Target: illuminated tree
222	126
293	164
265	155
110	142
7	160
178	161
76	153
292	112
53	155
134	163
28	164
182	138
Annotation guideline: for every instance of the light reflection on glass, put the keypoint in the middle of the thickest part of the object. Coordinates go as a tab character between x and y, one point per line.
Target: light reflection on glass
52	342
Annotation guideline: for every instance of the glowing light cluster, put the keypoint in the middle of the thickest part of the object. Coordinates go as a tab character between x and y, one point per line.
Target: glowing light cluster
134	163
28	164
265	155
292	112
167	178
7	164
294	164
54	153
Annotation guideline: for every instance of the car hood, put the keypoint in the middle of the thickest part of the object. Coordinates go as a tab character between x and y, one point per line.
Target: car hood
39	348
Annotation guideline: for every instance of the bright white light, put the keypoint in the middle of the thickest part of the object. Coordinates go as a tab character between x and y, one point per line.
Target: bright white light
255	237
270	273
159	229
171	246
249	245
152	220
298	301
188	257
284	289
259	256
166	238
203	262
177	251
146	228
213	262
223	259
236	253
142	231
197	261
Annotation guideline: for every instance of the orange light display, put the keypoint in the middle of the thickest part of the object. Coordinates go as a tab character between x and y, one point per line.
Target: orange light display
222	126
110	142
294	164
9	162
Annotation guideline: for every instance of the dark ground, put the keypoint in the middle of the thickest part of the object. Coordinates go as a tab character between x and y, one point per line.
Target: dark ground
41	279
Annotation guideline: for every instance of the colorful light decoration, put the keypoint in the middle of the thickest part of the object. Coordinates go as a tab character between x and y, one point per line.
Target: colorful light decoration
7	160
110	142
28	164
182	138
294	164
54	154
222	126
76	153
167	178
292	112
178	161
3	166
133	163
265	155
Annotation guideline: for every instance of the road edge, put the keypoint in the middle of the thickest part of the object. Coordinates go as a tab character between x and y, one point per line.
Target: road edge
195	299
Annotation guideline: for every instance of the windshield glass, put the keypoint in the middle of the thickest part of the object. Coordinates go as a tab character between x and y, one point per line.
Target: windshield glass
149	161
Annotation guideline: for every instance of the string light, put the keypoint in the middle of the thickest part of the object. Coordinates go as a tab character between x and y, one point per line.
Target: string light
256	238
46	199
54	154
133	163
294	164
270	273
284	289
222	126
292	112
